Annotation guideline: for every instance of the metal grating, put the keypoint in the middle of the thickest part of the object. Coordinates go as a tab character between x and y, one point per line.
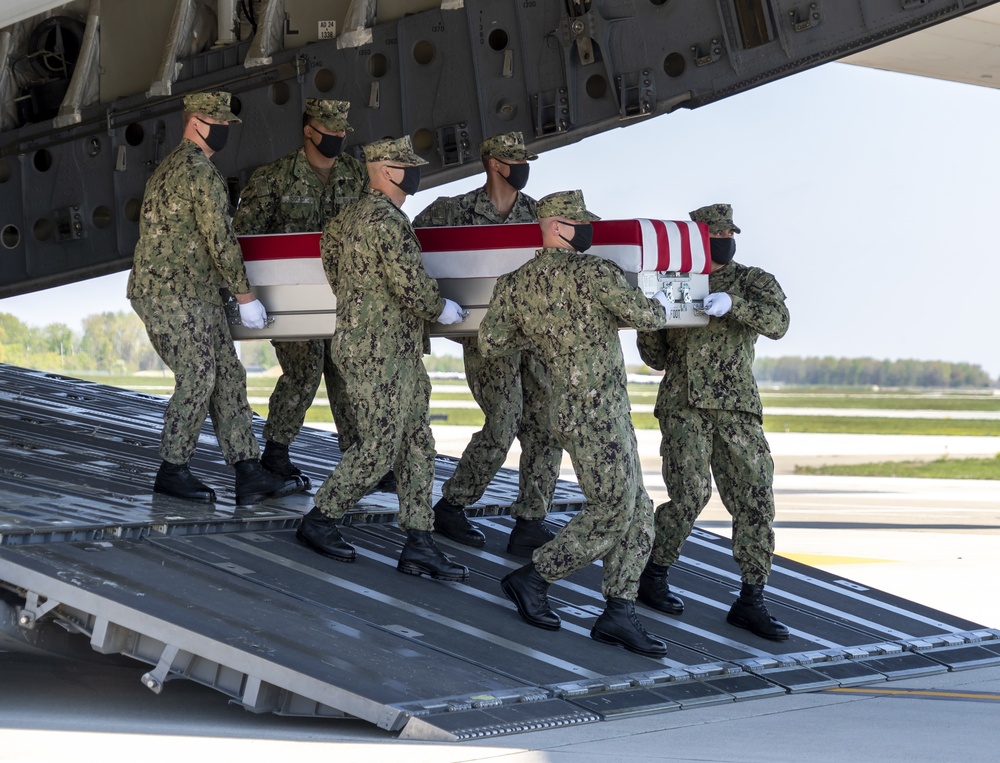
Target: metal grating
228	598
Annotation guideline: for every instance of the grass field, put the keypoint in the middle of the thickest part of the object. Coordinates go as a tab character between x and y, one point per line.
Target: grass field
259	388
942	469
447	392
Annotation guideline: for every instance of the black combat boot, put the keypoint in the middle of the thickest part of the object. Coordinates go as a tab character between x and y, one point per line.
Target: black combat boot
527	535
275	460
178	481
420	556
254	483
321	533
619	625
750	612
655	592
450	520
530	594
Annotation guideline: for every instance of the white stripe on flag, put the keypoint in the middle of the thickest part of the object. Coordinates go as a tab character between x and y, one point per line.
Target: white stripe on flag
699	257
676	246
304	270
475	263
650	252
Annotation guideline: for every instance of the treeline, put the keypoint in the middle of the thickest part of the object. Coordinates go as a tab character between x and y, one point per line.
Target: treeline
852	372
117	343
114	342
110	342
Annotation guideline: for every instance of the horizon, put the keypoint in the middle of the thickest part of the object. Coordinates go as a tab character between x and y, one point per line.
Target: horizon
444	343
858	189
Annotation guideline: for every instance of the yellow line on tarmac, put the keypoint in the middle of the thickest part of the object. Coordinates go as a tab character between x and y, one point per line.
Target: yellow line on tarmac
991	697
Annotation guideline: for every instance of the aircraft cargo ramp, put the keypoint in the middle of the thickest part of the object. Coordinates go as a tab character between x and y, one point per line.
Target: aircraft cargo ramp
91	563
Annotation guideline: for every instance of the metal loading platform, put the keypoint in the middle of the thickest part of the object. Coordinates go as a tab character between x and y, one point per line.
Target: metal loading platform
92	563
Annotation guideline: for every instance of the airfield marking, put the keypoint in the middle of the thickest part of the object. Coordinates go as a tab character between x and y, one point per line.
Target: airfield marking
921	694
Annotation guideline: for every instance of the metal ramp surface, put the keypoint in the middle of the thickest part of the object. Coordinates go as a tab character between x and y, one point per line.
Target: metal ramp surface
228	598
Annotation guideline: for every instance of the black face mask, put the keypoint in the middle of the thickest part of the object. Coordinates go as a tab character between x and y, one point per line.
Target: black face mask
723	250
517	178
329	145
411	179
217	135
583	236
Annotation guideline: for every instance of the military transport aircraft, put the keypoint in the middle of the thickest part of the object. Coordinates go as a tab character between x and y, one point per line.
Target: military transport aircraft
90	93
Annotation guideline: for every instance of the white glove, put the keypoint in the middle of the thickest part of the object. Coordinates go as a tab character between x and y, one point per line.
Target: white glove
452	313
253	315
663	299
718	304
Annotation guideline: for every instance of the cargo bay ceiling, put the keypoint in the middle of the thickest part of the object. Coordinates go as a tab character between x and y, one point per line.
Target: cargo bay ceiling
90	90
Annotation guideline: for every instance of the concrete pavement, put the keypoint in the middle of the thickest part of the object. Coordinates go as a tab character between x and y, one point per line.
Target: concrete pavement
930	541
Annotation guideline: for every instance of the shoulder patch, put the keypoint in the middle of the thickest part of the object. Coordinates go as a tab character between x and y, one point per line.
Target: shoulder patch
758	279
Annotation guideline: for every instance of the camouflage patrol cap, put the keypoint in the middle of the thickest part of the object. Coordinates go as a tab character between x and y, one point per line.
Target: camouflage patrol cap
568	204
331	114
214	104
718	218
398	151
508	145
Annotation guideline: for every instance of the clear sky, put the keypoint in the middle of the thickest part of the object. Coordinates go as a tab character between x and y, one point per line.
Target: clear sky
868	194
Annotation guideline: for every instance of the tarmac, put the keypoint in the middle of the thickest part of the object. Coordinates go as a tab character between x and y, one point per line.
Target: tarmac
931	541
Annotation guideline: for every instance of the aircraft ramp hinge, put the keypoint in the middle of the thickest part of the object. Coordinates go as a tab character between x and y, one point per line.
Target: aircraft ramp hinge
704	55
579	33
809	17
551	111
636	93
35	607
453	144
172	660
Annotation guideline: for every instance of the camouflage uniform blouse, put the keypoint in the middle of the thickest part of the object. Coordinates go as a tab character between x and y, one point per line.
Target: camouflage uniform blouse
186	246
566	307
286	196
712	366
474	208
372	260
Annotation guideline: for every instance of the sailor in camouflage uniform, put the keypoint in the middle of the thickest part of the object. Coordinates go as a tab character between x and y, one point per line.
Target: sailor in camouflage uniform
384	296
513	390
566	307
710	418
299	193
186	252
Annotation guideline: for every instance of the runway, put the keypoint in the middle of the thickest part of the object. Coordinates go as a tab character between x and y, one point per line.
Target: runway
934	542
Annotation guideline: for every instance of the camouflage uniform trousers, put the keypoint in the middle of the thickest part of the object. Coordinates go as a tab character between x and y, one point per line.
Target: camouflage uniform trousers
302	366
514	393
616	523
391	398
192	337
733	446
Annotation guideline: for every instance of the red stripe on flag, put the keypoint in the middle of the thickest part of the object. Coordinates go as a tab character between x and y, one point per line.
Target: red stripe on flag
608	232
490	237
686	256
290	246
469	238
703	230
